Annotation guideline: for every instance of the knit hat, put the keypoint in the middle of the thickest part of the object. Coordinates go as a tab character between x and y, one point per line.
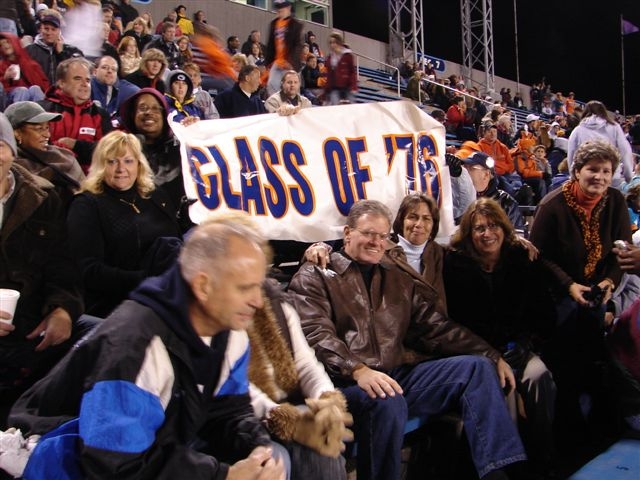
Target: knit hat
20	113
6	134
176	75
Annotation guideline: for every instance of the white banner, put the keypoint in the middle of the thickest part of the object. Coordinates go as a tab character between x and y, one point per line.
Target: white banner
299	175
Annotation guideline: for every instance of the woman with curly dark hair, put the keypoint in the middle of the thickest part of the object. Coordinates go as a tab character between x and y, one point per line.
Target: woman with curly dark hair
494	289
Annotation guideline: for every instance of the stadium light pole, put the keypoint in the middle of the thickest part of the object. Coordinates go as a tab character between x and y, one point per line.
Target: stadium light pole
515	26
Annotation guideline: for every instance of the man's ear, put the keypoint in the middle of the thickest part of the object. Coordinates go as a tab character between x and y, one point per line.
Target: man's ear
346	230
200	286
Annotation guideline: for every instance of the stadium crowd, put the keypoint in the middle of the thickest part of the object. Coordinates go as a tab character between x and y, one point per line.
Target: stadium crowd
144	346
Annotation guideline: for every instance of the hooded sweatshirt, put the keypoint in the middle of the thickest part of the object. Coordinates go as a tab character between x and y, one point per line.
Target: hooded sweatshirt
30	71
597	128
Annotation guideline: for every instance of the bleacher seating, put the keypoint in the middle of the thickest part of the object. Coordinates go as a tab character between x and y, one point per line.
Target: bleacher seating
381	77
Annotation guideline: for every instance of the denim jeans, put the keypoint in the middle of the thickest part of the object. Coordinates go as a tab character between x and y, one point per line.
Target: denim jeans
23	94
468	384
307	464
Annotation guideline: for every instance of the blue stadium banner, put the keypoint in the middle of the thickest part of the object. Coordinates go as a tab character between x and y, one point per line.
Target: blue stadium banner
438	63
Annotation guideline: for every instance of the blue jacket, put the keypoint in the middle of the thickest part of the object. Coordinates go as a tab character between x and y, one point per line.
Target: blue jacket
121	91
233	103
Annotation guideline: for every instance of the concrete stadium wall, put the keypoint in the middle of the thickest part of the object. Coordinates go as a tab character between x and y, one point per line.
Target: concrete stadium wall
233	18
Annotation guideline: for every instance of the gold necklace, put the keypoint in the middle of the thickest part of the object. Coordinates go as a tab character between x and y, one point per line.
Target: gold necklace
131	204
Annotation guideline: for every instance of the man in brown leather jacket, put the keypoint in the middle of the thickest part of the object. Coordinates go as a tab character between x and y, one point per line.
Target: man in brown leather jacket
377	331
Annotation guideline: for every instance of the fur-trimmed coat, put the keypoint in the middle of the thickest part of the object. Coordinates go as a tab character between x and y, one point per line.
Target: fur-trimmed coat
282	367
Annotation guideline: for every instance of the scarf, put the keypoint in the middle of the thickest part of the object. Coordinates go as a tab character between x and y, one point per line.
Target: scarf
271	365
589	217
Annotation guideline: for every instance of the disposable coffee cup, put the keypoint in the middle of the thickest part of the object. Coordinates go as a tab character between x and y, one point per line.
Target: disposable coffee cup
8	301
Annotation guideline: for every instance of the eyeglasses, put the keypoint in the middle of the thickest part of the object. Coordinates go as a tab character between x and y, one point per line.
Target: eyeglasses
371	235
146	109
480	229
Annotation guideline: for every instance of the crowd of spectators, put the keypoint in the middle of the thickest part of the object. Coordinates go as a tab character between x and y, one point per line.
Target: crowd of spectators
93	211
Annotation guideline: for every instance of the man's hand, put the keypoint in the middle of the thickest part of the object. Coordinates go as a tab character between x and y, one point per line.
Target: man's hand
629	259
6	328
318	254
259	465
66	142
375	383
505	375
56	329
59	45
287	109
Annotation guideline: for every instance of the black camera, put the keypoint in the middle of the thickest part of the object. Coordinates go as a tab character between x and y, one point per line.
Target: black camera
595	295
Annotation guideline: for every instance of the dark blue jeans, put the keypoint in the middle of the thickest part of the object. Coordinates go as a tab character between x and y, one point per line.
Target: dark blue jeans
468	384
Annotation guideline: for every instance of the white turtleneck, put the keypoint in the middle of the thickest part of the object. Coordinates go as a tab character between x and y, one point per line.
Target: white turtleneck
413	252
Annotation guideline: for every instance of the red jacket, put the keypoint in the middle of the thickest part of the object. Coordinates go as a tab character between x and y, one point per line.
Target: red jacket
30	71
344	75
86	123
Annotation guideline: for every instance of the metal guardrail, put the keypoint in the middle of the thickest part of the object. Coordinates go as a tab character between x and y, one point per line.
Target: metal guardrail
358	55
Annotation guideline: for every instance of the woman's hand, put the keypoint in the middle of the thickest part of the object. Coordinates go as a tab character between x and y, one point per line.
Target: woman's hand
576	292
505	375
529	247
607	287
186	121
5	327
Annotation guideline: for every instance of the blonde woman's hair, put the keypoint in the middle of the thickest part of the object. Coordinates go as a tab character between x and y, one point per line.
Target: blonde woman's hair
145	27
112	145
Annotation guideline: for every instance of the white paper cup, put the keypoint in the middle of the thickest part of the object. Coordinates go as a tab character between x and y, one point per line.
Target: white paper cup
15	68
8	301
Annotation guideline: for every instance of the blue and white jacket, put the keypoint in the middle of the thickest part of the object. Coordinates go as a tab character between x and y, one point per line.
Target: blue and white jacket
143	396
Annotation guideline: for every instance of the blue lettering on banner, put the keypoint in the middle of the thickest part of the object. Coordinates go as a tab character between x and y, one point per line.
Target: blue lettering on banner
335	157
428	168
301	192
275	192
264	187
210	186
360	174
251	184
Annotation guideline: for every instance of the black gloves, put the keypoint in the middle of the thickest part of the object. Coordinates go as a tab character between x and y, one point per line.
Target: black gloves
454	163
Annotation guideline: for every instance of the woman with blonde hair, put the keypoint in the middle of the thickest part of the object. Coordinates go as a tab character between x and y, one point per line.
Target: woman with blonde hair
139	31
152	66
129	55
116	221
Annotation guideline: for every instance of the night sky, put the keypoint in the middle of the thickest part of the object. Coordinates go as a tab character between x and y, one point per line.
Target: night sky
574	44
